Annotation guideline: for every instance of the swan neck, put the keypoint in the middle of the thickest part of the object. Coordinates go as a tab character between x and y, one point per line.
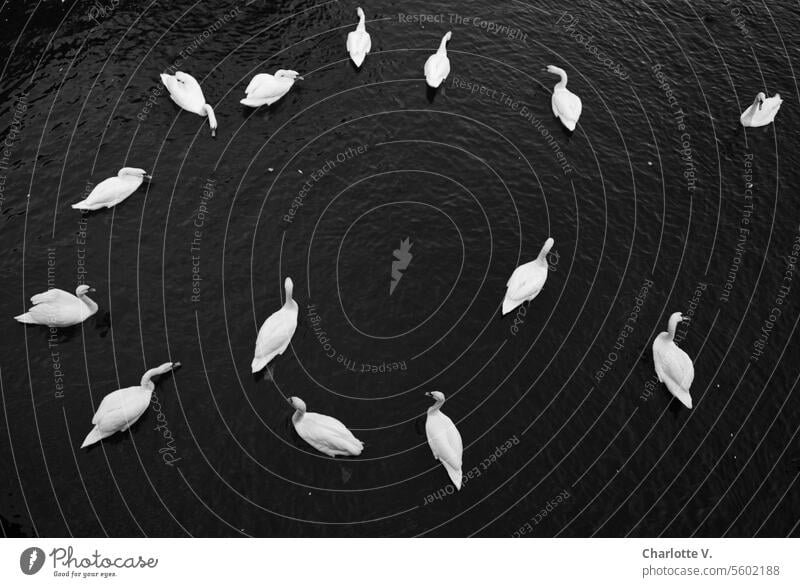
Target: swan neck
150	373
212	119
361	21
93	307
563	82
435	407
298	415
443	45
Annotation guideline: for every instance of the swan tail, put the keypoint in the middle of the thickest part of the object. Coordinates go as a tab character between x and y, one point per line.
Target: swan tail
253	103
26	318
358	57
455	475
94	436
84	205
509	305
258	364
680	392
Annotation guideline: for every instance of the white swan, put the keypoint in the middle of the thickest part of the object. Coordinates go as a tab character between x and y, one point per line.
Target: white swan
762	111
673	366
268	88
527	280
566	105
120	409
359	42
328	435
58	308
186	93
437	67
276	332
444	439
113	190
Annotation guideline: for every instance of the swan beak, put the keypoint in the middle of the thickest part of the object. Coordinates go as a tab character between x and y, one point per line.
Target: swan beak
428	393
213	132
300	77
147	176
685	319
92	290
176	365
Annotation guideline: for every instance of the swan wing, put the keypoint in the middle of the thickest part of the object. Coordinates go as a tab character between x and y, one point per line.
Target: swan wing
672	363
437	68
526	281
444	439
54	296
328	435
569	105
120	409
276	333
268	86
113	190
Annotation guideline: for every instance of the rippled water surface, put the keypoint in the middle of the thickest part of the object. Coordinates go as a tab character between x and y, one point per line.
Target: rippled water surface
658	202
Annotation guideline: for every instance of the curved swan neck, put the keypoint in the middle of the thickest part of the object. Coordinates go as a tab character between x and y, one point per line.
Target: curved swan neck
673	325
548	244
563	75
443	44
212	119
435	407
298	415
149	374
93	307
361	20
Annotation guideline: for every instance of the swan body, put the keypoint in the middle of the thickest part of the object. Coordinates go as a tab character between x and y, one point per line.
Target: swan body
673	366
437	67
268	88
566	105
113	190
444	439
359	42
120	409
328	435
58	308
276	332
527	280
186	93
762	111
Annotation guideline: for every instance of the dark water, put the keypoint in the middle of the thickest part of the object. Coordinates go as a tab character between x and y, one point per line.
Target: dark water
584	443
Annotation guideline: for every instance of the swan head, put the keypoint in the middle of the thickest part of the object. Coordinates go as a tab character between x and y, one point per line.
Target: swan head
548	244
447	36
674	319
297	404
360	12
288	73
436	395
181	77
82	290
134	172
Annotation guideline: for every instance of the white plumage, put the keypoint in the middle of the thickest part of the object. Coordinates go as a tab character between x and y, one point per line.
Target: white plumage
267	88
444	439
673	366
527	280
113	190
58	308
328	435
566	105
186	93
276	332
437	67
762	111
120	409
359	42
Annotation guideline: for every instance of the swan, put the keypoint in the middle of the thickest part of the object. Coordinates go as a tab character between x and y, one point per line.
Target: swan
437	67
58	308
444	439
113	190
527	280
359	42
186	93
673	366
276	332
762	111
268	88
120	409
566	105
328	435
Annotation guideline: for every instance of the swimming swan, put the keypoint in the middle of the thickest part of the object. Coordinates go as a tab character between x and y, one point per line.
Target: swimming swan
58	308
113	190
673	366
444	439
328	435
267	88
566	105
186	93
359	42
437	67
276	332
120	409
527	280
762	111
